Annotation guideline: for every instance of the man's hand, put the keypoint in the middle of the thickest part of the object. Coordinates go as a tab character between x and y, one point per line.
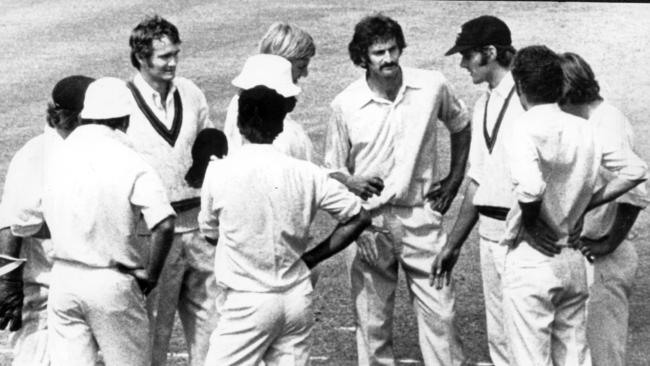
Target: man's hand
542	238
364	187
596	248
443	193
367	248
142	278
11	304
442	266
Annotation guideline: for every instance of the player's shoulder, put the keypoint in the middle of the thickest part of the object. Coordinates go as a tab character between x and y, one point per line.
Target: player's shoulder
352	95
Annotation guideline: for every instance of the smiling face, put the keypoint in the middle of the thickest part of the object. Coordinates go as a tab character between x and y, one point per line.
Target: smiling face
383	59
160	67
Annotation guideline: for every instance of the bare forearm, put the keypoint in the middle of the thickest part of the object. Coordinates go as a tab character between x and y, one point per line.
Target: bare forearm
626	215
162	237
612	190
530	213
10	246
460	142
342	236
341	177
467	217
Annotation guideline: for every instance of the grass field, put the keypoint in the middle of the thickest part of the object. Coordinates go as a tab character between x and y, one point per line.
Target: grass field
44	40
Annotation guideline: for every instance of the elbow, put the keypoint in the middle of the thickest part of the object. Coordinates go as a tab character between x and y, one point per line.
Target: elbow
364	218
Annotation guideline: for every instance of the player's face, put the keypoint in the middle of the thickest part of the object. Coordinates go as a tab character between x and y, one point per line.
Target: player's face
161	66
475	62
299	69
383	59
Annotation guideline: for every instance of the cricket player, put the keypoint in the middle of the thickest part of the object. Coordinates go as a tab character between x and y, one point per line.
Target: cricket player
605	231
168	114
554	162
381	144
296	46
24	291
259	203
486	48
95	192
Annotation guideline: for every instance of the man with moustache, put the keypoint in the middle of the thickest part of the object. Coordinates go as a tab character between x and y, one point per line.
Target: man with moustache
381	144
170	113
487	53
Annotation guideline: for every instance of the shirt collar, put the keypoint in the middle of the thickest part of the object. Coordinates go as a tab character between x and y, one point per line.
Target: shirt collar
504	87
150	93
364	95
544	108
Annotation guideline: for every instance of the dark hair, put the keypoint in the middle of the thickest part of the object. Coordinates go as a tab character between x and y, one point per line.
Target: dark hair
537	72
114	123
65	119
209	142
372	29
149	29
580	85
261	114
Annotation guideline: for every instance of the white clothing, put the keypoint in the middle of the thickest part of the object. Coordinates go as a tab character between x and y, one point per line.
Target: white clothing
270	327
293	140
21	204
260	203
396	141
168	148
93	200
166	142
556	156
82	319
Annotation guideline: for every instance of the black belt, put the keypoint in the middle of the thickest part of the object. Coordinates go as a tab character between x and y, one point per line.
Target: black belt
186	204
494	212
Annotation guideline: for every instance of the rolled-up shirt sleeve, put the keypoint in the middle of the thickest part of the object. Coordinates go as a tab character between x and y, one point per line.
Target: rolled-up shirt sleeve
529	185
617	154
21	208
337	144
149	195
208	215
453	112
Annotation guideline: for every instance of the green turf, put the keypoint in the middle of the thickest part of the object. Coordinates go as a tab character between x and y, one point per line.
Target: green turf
44	40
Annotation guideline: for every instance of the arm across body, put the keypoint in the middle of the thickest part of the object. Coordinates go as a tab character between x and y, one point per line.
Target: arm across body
342	236
626	215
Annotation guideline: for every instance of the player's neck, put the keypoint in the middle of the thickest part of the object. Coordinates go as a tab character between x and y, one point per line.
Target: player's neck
385	87
495	77
161	86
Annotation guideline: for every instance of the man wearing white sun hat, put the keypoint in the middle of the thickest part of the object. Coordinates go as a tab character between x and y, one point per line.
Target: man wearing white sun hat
92	203
271	71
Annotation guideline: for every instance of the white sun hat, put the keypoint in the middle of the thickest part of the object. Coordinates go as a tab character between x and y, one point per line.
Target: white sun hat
269	70
107	98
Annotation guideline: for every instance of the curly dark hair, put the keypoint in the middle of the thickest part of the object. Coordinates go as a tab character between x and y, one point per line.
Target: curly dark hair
580	85
372	29
537	72
261	114
61	118
149	29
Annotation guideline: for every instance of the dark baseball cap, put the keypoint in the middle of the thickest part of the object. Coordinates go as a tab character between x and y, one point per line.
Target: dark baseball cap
69	92
482	31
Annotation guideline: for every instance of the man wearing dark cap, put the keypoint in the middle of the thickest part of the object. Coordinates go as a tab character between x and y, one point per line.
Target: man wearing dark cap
485	46
24	278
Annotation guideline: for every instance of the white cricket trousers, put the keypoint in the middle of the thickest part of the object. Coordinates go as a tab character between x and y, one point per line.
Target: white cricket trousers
186	284
544	305
493	260
410	237
29	343
269	327
93	309
608	305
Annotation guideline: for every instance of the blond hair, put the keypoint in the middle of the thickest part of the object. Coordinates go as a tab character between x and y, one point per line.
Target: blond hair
288	41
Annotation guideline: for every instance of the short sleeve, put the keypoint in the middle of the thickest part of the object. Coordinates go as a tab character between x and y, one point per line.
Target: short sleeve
149	196
209	215
453	112
523	159
335	199
337	143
